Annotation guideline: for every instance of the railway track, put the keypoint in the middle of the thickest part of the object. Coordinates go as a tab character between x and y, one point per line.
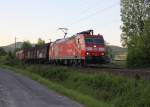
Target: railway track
116	70
103	66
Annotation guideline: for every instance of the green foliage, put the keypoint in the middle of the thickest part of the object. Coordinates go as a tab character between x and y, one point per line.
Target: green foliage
3	59
9	59
17	49
111	89
135	31
55	74
40	42
137	95
26	45
2	52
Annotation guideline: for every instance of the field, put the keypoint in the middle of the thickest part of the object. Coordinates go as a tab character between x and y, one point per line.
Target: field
98	89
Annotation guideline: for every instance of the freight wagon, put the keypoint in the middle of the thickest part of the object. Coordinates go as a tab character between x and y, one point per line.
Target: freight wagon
37	54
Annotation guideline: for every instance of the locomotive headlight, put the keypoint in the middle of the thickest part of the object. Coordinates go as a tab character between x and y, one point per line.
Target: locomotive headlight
101	49
87	53
102	54
89	48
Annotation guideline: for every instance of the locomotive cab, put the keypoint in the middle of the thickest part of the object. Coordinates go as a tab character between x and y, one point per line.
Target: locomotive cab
94	47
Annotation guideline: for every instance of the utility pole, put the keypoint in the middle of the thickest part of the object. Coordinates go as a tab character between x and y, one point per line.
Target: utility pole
15	43
64	30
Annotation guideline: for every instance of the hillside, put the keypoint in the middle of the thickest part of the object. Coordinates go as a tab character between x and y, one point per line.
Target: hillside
118	50
11	47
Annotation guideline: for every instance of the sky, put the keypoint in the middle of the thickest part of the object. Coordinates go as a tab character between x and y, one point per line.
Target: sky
33	19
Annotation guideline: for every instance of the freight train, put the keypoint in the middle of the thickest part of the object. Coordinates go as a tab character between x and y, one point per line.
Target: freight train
80	49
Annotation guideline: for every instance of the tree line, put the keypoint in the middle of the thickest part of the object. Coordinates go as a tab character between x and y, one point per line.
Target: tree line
28	44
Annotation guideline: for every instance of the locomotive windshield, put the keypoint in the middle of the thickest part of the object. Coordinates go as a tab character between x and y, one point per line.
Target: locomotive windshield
94	40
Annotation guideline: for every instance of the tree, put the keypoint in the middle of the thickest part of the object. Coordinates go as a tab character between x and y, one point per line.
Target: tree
26	45
136	31
40	42
2	52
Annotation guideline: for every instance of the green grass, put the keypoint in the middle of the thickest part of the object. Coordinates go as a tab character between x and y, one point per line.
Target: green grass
79	97
92	90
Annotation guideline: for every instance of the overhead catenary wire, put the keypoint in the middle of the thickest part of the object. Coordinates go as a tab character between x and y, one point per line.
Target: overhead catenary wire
89	7
95	13
92	14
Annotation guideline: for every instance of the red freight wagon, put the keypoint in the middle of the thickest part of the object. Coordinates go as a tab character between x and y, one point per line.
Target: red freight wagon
20	55
37	54
82	48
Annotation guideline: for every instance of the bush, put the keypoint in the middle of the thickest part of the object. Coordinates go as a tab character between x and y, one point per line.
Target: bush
55	74
3	59
9	59
136	96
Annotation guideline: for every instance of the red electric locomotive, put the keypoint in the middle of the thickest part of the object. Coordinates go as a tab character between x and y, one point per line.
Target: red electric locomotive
82	48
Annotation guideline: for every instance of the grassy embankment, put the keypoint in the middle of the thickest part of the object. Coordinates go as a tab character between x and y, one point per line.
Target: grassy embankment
92	90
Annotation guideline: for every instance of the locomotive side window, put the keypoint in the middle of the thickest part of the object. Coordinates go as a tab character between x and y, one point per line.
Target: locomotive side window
94	40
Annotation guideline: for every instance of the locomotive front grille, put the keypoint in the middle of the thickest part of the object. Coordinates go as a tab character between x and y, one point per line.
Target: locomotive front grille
95	59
